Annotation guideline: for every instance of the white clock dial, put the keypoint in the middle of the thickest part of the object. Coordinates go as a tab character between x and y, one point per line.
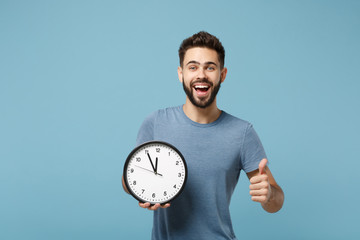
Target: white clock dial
155	172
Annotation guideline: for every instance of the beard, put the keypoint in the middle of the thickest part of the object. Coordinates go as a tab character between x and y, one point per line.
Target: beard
201	102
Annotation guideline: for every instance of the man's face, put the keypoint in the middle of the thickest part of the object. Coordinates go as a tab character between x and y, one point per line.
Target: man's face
201	76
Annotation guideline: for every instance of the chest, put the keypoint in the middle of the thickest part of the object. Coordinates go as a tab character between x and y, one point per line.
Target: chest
207	151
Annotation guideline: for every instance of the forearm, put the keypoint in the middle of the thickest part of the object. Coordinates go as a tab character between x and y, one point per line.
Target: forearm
275	201
124	186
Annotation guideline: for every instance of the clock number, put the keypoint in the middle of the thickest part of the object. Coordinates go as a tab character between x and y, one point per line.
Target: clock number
134	182
138	159
174	186
157	150
132	170
143	190
179	174
169	153
177	162
153	195
165	193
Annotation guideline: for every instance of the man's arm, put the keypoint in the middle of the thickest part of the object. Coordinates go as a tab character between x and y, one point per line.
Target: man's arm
264	189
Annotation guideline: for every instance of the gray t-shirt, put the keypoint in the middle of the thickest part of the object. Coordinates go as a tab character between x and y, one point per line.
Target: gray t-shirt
215	153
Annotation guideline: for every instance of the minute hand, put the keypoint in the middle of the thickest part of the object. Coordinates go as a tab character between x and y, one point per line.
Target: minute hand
156	165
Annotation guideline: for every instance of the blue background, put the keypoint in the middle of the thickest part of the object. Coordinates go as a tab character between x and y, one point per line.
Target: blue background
77	79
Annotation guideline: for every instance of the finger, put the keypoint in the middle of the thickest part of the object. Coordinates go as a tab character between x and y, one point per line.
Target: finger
261	199
144	205
258	179
260	192
165	206
260	185
154	207
255	180
262	166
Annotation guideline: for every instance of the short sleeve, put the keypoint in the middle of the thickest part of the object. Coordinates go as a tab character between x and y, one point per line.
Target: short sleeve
146	131
252	151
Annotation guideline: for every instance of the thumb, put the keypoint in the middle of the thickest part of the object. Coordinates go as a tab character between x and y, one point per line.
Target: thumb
262	166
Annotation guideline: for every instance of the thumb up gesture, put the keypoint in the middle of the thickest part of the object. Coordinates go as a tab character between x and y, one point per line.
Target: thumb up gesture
260	189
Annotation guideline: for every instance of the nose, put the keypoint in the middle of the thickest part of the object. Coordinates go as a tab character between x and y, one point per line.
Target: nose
201	73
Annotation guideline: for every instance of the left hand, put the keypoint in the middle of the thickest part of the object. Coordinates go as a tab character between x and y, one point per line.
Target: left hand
260	189
153	207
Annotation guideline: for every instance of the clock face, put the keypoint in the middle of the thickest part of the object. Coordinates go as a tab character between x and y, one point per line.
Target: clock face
155	172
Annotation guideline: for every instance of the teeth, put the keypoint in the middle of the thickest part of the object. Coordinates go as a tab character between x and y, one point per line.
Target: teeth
201	87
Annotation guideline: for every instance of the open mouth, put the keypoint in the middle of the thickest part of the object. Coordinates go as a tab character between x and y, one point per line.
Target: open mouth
201	89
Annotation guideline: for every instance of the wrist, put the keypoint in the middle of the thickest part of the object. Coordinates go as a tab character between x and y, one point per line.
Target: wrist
275	200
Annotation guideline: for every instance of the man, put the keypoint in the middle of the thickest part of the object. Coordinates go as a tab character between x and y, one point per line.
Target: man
216	146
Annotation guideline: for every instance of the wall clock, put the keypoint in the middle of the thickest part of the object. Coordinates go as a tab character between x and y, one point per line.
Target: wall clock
155	172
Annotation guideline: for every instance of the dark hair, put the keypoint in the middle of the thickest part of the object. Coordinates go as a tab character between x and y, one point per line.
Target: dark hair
202	39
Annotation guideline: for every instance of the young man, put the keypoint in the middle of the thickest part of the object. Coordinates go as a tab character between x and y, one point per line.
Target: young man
216	146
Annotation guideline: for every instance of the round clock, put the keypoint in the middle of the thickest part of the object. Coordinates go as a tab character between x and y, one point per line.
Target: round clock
155	172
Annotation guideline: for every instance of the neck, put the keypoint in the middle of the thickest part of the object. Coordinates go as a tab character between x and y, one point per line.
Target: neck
201	115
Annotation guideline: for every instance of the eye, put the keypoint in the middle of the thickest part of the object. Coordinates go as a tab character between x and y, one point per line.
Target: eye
192	68
210	68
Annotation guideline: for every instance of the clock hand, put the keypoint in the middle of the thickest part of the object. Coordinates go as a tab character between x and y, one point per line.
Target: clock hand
152	165
148	170
156	165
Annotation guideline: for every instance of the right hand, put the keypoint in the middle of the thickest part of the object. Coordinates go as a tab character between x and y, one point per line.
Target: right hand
154	207
260	188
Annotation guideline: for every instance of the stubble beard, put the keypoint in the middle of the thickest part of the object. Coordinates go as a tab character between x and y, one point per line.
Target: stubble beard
204	102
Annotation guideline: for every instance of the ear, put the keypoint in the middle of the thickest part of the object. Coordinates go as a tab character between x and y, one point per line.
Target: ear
180	74
223	74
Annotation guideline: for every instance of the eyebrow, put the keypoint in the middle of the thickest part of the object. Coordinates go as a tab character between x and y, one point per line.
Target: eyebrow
195	62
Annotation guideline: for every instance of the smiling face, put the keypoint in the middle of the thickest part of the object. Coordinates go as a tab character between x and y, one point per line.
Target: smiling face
201	76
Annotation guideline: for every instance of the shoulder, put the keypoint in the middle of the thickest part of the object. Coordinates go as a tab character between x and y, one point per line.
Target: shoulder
236	122
163	114
169	111
166	113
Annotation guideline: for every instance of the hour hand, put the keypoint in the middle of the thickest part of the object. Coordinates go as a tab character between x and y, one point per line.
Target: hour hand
152	165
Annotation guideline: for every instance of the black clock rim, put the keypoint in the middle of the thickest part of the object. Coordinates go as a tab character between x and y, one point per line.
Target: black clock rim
127	163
